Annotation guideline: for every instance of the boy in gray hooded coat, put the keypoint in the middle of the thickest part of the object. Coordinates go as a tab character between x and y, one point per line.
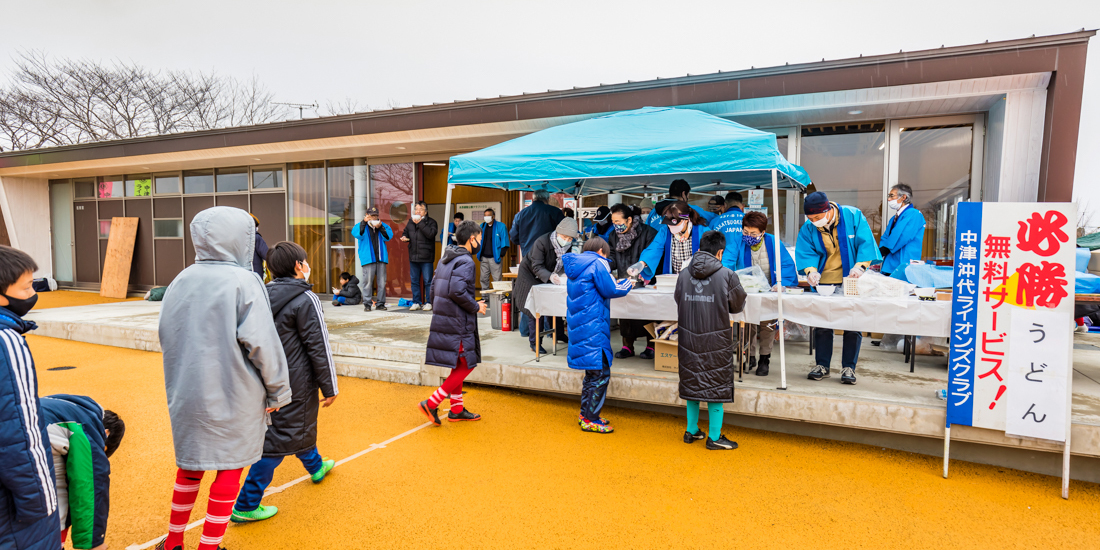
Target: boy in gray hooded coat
224	368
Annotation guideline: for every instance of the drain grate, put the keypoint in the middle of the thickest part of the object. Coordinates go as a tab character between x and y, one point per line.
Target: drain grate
61	368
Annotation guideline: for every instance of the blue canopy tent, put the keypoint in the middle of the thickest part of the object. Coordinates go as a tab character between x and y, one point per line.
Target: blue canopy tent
632	151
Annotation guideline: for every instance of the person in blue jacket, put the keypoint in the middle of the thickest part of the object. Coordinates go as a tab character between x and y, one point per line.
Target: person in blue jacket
83	436
601	226
758	248
588	306
729	223
534	221
834	243
28	497
678	190
459	217
373	235
494	244
677	239
903	236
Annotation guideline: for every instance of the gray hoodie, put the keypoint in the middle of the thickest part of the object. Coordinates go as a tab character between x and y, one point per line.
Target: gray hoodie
223	360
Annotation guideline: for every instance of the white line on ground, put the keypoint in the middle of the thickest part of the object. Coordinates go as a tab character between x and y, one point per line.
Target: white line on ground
281	488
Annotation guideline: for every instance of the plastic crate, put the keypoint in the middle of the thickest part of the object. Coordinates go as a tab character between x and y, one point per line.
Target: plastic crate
851	286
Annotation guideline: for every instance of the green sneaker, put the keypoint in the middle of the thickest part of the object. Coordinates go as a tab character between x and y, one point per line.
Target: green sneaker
325	467
259	514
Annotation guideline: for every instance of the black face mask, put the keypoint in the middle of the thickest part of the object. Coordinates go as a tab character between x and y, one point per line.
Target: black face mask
20	307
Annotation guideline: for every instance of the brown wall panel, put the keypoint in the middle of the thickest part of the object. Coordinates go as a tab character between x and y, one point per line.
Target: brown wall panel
169	260
86	228
141	267
4	239
236	201
271	209
111	209
192	206
168	207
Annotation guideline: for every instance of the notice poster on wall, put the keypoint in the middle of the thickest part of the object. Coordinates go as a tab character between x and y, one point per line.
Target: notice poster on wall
1012	318
476	210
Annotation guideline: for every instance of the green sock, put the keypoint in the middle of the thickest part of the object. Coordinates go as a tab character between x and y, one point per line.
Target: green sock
715	412
693	416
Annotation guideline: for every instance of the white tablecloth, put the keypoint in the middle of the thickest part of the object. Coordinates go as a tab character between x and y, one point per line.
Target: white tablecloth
893	316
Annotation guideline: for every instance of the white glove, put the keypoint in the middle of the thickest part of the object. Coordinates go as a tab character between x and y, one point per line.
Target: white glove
813	278
556	279
635	269
856	272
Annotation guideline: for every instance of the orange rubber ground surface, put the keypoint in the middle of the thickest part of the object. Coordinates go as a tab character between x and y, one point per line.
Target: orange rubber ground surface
68	298
526	477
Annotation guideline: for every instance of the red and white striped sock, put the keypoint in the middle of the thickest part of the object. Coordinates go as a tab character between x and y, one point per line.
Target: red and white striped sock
223	493
183	500
437	397
456	403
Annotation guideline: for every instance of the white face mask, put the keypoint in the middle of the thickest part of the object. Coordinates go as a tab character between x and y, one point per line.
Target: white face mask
822	222
488	219
417	218
894	205
563	242
306	270
679	227
374	223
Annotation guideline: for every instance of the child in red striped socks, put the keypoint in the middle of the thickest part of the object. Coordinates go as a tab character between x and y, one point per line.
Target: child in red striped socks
224	369
453	341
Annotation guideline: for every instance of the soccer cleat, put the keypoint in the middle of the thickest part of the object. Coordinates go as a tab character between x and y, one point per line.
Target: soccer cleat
693	437
848	376
722	444
259	514
381	307
432	414
624	353
465	415
762	367
595	427
818	373
326	466
602	420
414	307
427	307
647	354
160	545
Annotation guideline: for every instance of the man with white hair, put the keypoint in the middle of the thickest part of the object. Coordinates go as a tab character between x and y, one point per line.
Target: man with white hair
903	236
534	221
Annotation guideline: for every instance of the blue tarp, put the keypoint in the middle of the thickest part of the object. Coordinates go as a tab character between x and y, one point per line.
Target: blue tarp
641	150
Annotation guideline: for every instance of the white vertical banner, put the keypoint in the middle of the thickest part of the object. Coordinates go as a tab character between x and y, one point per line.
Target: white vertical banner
1039	373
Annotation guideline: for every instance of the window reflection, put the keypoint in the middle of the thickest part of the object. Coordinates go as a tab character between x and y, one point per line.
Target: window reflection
341	219
110	186
306	215
846	163
935	162
392	193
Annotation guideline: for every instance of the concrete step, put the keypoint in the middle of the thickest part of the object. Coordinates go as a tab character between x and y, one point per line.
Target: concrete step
382	370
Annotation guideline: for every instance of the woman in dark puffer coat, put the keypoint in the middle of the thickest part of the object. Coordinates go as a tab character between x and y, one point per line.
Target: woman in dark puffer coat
706	295
453	342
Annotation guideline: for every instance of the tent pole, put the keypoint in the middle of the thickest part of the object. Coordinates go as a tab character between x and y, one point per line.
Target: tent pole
946	449
779	278
447	212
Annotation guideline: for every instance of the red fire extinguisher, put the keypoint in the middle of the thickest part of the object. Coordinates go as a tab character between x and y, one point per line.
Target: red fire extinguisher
506	314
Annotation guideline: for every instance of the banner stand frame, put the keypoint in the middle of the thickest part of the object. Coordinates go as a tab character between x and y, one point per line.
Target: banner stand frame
946	448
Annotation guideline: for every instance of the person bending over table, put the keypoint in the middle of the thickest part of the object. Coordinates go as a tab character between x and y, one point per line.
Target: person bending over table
629	238
756	247
835	242
543	265
676	241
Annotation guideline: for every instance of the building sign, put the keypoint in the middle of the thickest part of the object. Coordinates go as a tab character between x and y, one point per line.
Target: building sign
1011	318
476	210
587	213
756	197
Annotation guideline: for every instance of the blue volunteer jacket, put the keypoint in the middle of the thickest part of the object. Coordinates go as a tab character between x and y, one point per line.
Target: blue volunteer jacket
500	239
590	290
743	259
857	243
659	252
87	469
362	233
729	223
28	498
903	238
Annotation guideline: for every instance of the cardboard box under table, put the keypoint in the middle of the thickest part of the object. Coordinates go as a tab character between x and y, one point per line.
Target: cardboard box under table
666	353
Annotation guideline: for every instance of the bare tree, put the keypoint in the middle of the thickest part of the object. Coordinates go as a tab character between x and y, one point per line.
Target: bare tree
63	102
348	106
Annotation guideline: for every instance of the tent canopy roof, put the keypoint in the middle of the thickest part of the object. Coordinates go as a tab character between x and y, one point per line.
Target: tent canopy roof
641	151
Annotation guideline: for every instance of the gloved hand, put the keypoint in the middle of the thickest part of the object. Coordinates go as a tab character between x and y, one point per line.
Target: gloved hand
856	272
557	279
635	269
813	278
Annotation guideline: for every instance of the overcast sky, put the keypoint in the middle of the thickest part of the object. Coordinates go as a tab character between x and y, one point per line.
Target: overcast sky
418	52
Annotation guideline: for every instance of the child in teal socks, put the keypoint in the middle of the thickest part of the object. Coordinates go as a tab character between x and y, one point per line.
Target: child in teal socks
706	295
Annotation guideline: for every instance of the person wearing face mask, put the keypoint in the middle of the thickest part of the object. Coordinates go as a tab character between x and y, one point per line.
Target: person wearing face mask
458	219
541	266
758	248
494	246
600	225
903	236
834	243
676	241
629	237
678	191
729	223
419	233
28	498
373	235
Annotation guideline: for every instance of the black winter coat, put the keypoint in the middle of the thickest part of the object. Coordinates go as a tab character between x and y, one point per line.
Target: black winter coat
421	239
706	295
630	256
454	311
351	293
535	269
301	327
